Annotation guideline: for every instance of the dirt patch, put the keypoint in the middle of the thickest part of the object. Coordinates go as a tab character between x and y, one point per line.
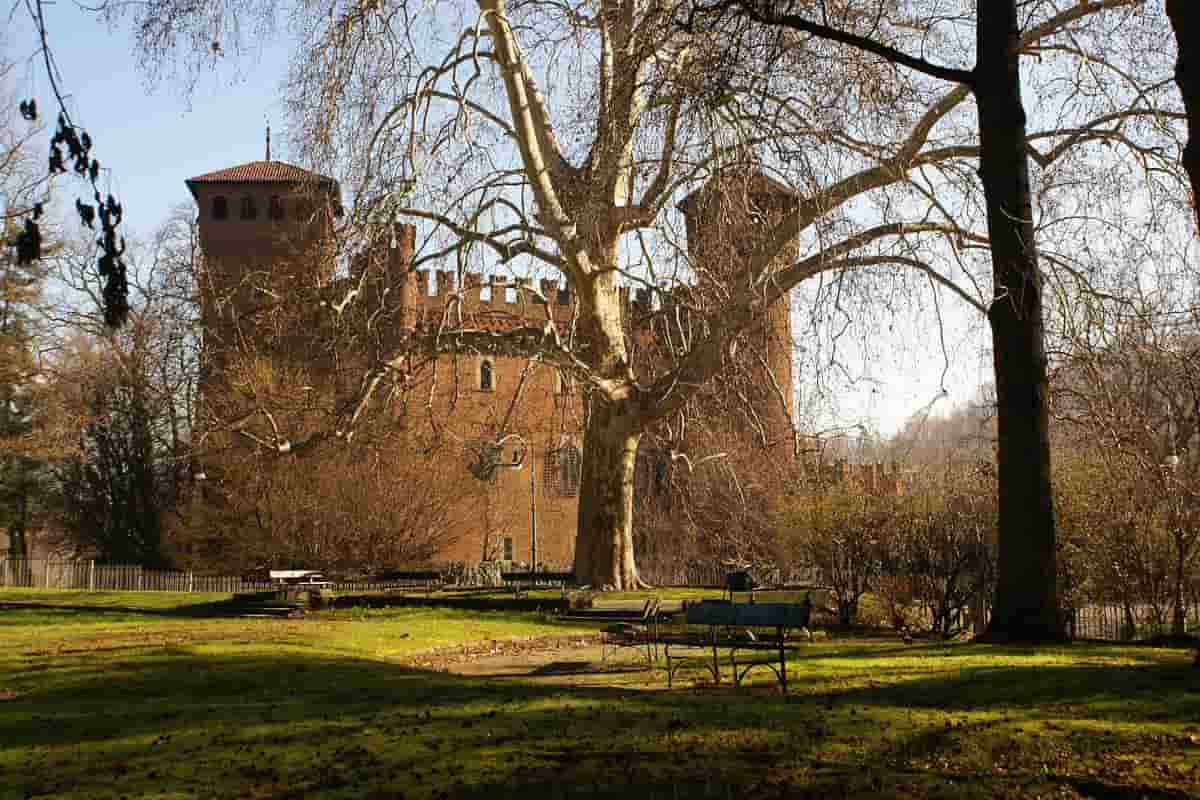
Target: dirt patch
573	659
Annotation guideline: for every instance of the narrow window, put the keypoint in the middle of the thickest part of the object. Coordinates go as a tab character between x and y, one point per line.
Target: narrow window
551	475
570	464
487	382
275	208
220	207
508	548
249	209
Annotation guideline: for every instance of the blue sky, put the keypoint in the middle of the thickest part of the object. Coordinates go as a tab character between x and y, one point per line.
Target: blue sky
149	139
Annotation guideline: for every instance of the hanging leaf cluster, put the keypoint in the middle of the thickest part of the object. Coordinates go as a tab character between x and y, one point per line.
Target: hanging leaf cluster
71	150
29	241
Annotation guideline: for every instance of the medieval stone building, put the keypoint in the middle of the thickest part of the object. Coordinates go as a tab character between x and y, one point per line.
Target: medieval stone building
275	303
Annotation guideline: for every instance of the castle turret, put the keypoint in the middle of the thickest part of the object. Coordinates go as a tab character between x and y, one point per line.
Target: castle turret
725	219
267	221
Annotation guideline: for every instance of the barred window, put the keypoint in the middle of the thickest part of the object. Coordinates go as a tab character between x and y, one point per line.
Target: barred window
562	470
275	208
220	207
249	209
487	380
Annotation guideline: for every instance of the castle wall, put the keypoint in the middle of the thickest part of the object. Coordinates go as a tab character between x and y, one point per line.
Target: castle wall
530	400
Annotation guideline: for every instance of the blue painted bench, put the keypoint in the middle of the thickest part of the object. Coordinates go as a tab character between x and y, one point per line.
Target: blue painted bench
756	630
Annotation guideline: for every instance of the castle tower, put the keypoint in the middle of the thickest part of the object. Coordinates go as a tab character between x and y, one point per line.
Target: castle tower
264	227
266	238
725	218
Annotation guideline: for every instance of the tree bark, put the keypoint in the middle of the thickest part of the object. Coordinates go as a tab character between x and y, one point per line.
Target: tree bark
1179	611
1026	607
1185	19
604	557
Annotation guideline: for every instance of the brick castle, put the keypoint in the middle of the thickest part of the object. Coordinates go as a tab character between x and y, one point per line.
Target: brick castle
272	300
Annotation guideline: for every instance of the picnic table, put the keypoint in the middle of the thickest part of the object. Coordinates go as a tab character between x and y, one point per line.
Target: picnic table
757	630
298	577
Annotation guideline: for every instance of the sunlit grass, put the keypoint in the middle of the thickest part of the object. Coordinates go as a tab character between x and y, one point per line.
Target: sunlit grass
131	697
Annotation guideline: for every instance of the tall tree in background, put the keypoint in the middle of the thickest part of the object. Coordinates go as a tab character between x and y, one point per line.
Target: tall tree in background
1026	606
20	465
1185	19
127	398
21	286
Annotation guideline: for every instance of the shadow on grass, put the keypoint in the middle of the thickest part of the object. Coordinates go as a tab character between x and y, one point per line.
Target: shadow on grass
221	608
464	602
291	724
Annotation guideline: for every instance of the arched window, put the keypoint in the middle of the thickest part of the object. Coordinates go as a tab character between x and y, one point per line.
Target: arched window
220	207
275	208
487	380
249	209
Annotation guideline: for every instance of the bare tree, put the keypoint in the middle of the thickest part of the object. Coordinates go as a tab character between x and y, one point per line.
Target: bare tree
1128	396
126	399
560	139
1026	602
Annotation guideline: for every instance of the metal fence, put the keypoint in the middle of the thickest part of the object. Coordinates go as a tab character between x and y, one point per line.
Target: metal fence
1112	622
713	575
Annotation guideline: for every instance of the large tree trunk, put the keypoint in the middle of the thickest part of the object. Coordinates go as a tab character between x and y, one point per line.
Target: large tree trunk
604	541
1185	19
1026	607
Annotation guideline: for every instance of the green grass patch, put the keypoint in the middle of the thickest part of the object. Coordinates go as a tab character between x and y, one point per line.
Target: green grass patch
141	696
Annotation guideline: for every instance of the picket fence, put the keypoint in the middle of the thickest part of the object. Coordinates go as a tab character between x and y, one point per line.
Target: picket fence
50	574
1094	621
47	574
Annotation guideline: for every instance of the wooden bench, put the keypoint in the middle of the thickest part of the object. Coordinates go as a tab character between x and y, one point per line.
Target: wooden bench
524	581
758	630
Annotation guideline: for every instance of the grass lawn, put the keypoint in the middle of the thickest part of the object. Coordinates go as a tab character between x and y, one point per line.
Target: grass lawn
145	696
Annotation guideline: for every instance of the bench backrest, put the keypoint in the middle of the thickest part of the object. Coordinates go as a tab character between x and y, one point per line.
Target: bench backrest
711	613
750	615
